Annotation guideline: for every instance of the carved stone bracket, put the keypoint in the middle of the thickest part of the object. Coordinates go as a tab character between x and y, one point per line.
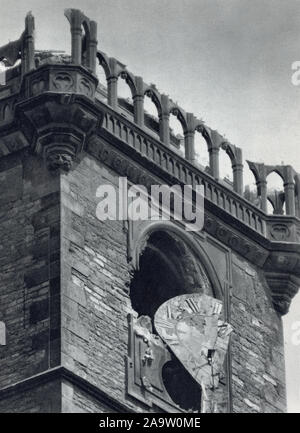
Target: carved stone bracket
284	287
282	270
283	262
283	229
57	127
55	112
59	150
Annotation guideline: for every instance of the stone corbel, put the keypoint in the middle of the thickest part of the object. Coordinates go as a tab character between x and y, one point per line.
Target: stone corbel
58	128
59	150
282	271
283	287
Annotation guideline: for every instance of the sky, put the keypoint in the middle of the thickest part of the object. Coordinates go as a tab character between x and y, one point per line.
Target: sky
227	61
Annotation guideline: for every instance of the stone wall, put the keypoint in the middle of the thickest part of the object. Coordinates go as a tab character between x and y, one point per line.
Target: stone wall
64	285
258	377
95	303
45	398
95	283
75	400
29	268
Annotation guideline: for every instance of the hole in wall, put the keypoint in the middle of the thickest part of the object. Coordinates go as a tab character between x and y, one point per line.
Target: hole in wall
181	387
167	268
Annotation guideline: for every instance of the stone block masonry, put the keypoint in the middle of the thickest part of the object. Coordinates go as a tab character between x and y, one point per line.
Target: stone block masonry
29	268
258	377
95	283
65	297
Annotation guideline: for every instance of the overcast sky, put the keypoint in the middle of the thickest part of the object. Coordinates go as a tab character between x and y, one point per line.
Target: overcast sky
228	62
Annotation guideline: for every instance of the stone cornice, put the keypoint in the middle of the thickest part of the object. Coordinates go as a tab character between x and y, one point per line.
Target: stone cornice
57	126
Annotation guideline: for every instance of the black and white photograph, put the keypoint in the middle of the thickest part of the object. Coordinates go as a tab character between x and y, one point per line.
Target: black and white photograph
149	211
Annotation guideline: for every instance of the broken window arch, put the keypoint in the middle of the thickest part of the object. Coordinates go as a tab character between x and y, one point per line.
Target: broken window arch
168	269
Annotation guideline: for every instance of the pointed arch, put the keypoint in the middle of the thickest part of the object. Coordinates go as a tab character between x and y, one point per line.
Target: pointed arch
225	165
130	81
188	240
125	93
152	112
155	98
275	192
275	180
278	172
201	148
104	62
205	131
250	181
102	82
180	115
86	37
178	128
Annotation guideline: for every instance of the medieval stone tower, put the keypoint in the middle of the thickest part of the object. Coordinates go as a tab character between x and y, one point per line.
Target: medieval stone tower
82	300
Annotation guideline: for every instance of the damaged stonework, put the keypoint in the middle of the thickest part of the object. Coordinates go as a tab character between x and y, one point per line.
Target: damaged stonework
189	327
147	354
23	48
